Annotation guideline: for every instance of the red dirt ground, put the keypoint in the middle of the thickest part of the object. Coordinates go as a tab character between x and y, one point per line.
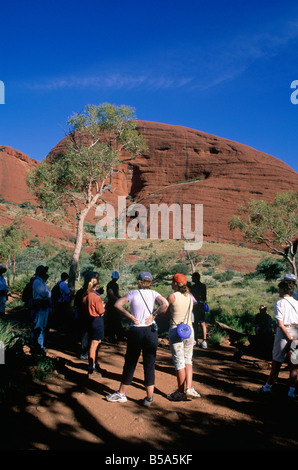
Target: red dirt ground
68	411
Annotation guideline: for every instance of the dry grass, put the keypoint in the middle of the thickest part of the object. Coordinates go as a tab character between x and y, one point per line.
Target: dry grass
233	257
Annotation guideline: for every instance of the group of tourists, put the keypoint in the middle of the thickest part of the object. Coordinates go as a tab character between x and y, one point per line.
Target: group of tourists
185	308
141	306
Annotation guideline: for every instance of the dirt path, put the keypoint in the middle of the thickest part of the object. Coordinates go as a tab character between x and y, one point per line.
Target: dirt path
69	411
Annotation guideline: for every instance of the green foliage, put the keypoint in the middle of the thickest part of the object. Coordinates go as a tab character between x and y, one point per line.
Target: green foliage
270	268
6	331
11	238
96	137
98	140
272	224
109	256
224	276
19	284
44	367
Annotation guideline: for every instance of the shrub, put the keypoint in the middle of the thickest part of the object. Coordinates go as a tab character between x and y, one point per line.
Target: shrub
270	269
224	276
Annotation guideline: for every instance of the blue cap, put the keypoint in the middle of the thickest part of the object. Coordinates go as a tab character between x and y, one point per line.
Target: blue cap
115	275
144	276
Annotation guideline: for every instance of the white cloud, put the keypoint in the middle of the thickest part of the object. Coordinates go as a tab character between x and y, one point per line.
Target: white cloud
113	80
188	66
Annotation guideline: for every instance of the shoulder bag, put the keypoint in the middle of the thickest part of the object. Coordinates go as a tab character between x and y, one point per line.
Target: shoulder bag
184	329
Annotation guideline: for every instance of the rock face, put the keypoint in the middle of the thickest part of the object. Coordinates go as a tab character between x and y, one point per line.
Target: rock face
14	166
181	166
186	166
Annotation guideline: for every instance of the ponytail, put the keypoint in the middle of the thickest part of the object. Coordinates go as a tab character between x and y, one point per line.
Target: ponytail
91	284
183	288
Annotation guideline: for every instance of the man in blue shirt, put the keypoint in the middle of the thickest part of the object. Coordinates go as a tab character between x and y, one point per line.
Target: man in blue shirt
41	305
3	291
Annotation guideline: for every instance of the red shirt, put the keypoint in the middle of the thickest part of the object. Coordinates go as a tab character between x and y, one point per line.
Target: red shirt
93	305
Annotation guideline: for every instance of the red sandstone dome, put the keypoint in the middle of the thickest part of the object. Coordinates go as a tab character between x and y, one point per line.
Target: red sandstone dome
183	166
14	166
186	166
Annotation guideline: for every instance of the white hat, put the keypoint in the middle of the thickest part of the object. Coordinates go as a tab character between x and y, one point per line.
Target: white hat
294	352
290	277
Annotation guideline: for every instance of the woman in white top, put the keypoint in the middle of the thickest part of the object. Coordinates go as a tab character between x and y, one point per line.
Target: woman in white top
286	315
181	306
142	335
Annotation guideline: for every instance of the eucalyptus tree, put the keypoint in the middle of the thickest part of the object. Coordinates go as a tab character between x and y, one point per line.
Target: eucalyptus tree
98	141
274	225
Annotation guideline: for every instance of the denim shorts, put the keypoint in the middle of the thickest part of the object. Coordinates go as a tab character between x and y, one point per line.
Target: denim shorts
96	328
182	350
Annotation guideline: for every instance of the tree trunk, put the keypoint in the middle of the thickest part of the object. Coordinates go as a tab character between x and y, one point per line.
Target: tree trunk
77	250
293	264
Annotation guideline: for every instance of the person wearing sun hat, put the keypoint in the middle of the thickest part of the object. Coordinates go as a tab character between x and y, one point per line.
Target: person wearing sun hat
3	291
180	308
142	336
291	278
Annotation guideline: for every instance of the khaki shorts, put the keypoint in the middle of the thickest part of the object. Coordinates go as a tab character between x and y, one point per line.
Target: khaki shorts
282	344
182	350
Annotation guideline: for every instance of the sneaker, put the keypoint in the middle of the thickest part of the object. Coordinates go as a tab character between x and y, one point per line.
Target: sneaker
176	396
84	356
191	393
147	401
204	344
263	390
94	372
117	397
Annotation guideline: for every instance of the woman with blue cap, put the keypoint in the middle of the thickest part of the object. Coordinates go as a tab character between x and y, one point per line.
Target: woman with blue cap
142	335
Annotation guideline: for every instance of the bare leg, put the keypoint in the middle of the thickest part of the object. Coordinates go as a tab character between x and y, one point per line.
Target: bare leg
204	330
181	375
188	375
293	375
93	353
275	368
123	388
150	390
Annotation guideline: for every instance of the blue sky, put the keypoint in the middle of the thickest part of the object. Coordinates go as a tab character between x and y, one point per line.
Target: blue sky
222	67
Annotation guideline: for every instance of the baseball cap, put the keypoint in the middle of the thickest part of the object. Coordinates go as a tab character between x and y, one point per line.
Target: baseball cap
115	275
180	278
290	277
41	269
144	276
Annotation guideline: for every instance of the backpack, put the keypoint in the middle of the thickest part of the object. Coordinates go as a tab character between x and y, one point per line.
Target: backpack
27	292
56	293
